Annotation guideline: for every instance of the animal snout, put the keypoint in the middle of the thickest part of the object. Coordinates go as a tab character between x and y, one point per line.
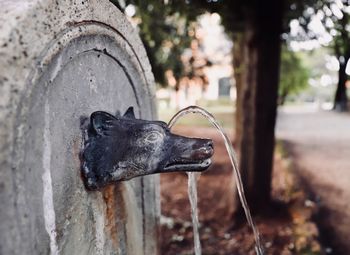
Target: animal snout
203	149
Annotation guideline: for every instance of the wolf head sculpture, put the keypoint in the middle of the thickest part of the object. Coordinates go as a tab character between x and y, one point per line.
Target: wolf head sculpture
119	148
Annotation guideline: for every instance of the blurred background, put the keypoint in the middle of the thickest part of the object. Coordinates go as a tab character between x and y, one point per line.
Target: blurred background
275	75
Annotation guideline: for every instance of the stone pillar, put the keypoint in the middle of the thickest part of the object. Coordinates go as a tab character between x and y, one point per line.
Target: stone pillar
59	62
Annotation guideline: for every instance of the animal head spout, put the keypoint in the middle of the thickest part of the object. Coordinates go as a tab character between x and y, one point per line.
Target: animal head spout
119	148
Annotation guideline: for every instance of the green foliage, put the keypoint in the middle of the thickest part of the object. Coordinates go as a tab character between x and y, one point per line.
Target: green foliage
293	75
166	29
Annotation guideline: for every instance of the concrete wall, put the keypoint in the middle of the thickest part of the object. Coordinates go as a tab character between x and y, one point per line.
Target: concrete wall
60	61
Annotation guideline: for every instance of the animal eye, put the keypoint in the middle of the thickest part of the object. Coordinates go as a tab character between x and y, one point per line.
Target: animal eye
153	137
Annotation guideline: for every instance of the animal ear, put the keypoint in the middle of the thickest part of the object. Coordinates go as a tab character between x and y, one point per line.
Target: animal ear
129	113
101	121
118	114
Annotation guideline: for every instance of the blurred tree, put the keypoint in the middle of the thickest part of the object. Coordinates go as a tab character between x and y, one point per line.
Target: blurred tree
293	75
256	28
258	40
336	19
167	29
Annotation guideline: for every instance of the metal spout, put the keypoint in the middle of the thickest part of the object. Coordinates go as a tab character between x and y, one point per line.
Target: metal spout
119	148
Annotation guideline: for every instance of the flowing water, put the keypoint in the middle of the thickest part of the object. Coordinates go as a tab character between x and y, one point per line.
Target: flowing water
192	193
192	184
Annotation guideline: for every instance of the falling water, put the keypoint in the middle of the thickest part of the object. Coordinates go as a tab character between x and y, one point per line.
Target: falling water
192	185
192	193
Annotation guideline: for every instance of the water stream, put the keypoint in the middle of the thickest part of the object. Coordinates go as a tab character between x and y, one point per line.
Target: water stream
192	194
192	182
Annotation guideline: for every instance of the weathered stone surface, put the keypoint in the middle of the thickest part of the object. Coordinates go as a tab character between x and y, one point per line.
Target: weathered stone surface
60	61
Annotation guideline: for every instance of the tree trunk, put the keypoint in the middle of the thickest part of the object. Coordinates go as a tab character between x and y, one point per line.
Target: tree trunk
258	102
340	99
239	68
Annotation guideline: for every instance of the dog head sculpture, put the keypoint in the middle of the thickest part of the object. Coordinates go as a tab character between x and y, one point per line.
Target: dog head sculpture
119	148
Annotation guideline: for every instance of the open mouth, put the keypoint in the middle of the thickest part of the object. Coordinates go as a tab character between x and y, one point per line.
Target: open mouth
189	167
199	160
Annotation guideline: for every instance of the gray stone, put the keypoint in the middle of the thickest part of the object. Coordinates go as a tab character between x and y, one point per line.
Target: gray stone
59	62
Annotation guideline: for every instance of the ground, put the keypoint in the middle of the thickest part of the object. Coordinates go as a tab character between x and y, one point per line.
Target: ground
285	229
319	145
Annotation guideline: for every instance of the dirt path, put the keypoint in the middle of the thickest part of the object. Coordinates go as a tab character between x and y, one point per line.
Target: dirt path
319	143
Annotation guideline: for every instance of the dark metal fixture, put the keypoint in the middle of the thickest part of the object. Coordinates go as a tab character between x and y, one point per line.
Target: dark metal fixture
119	148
